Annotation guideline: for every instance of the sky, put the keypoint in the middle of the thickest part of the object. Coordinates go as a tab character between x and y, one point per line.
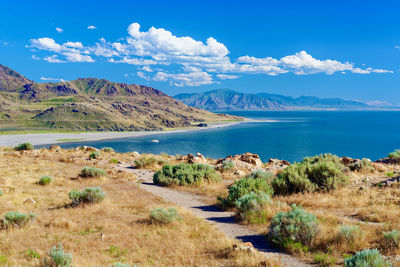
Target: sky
346	49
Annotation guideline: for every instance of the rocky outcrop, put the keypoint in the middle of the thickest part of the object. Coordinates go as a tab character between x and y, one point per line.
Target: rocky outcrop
199	158
244	161
276	165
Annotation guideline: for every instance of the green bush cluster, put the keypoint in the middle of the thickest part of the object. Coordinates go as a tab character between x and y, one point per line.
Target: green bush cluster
44	180
362	165
1	193
318	173
391	240
295	226
227	165
91	172
350	233
107	149
367	258
58	258
17	219
94	155
394	156
114	161
145	162
255	182
24	146
88	195
163	216
186	174
251	206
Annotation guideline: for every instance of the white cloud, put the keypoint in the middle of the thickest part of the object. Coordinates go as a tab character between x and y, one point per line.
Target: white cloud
193	62
73	44
52	79
227	76
91	27
147	68
53	59
59	30
76	57
34	57
195	78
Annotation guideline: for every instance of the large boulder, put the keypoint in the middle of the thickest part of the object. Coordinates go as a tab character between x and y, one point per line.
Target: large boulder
244	161
199	158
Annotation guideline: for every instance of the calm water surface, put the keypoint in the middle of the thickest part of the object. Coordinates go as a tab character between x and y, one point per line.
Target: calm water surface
294	135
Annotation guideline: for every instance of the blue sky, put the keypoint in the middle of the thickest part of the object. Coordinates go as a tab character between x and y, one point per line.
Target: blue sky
341	49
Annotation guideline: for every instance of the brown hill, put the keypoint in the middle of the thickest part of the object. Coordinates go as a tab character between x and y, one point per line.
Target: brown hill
91	104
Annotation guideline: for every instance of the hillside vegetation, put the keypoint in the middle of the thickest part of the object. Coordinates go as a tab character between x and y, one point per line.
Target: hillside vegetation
91	104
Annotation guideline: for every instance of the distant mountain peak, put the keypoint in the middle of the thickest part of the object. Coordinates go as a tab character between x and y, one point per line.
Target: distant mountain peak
225	99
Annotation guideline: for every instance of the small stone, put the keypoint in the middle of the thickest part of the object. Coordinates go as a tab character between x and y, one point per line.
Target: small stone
30	201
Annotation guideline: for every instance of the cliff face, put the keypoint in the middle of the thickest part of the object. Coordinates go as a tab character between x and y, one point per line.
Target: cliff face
91	104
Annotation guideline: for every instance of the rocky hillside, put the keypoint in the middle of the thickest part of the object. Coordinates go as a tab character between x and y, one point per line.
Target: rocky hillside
225	99
91	104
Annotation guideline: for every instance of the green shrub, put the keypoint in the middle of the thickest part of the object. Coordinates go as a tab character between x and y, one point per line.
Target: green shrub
268	176
1	193
186	174
245	186
24	146
362	165
163	216
251	206
44	180
16	218
88	195
32	254
58	258
94	155
295	226
391	240
350	233
227	165
89	172
390	174
114	161
107	149
367	258
3	259
145	162
318	173
394	156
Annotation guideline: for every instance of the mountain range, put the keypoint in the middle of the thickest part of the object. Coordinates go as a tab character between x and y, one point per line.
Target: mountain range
229	100
90	104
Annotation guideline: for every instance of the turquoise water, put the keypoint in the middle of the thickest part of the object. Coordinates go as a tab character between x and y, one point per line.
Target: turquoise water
294	135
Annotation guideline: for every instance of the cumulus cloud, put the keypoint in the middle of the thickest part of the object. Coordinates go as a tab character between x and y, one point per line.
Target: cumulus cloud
71	51
91	27
59	30
47	79
184	61
227	76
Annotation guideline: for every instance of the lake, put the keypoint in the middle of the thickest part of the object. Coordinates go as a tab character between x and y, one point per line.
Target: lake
292	136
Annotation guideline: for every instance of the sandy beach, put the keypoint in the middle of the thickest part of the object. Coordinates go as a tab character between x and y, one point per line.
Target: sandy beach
51	138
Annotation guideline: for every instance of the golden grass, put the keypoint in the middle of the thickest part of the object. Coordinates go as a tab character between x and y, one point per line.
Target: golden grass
122	218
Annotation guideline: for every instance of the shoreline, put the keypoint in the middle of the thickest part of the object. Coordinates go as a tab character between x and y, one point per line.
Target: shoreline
53	138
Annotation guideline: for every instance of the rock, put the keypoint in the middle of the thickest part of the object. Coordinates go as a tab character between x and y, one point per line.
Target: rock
86	148
30	201
244	161
347	160
135	154
199	158
248	247
239	173
54	148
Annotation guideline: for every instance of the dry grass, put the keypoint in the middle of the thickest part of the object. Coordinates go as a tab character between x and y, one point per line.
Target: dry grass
122	218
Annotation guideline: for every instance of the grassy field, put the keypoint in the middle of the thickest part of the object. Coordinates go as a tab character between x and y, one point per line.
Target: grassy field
118	229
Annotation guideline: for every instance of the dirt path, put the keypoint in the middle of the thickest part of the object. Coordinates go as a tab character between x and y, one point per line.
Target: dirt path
223	220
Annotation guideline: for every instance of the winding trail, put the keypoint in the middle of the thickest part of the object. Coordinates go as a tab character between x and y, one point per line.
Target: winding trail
223	220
